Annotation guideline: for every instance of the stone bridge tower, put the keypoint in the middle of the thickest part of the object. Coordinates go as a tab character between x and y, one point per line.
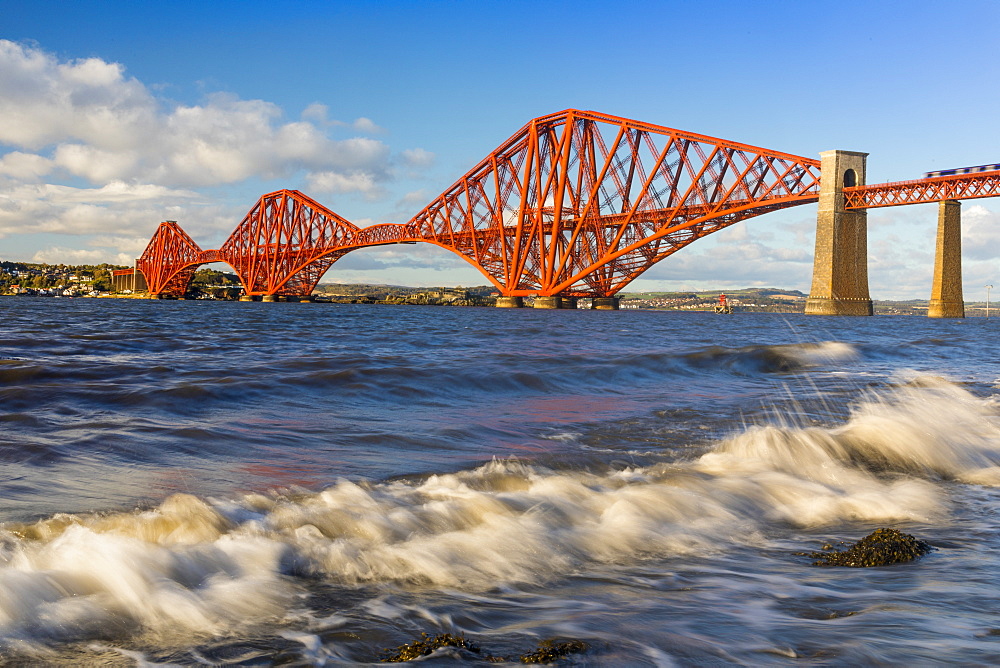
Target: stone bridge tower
840	269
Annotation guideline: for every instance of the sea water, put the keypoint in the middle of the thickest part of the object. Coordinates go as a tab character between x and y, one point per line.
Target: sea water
211	483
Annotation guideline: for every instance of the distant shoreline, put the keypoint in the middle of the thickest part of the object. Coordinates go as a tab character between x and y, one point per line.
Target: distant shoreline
628	302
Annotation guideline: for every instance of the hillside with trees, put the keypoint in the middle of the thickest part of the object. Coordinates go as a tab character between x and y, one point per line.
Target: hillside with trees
36	277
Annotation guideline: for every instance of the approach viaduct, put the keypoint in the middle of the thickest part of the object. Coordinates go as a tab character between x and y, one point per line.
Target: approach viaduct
579	204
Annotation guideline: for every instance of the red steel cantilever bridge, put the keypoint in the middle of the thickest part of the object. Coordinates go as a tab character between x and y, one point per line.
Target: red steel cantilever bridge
574	204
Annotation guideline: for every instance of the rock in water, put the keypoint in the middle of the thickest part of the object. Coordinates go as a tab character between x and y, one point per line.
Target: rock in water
550	651
879	548
427	645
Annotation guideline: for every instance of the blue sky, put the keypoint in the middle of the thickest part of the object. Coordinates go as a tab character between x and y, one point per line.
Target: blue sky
117	115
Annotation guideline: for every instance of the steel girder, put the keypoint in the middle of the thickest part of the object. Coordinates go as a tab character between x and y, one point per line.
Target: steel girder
579	203
935	189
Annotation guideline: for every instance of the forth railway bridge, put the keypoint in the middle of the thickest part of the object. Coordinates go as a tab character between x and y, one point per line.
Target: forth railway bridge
579	204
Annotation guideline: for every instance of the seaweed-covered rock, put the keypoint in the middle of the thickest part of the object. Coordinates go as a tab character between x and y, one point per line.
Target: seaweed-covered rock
879	548
550	650
426	646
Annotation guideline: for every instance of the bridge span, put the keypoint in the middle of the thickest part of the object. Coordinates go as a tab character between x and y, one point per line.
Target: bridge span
576	204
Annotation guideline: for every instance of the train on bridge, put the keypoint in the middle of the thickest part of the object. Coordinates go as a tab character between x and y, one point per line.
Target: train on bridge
963	170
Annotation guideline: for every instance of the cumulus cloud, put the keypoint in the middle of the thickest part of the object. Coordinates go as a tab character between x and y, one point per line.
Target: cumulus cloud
757	253
89	100
320	115
116	191
980	233
367	125
418	265
414	199
87	149
25	166
60	255
336	182
88	118
417	157
32	208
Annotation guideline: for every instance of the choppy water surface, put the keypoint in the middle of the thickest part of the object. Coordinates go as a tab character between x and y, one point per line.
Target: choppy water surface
198	483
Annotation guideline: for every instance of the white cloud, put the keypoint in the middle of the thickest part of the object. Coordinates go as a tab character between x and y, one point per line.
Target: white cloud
336	182
71	123
60	255
94	164
26	166
419	265
413	200
319	114
135	245
46	101
121	208
316	113
116	191
95	123
368	126
760	252
417	157
980	233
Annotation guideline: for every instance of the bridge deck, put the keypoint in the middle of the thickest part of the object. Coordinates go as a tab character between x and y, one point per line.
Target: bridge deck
919	191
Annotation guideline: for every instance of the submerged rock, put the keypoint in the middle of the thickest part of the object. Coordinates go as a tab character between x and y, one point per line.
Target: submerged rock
882	547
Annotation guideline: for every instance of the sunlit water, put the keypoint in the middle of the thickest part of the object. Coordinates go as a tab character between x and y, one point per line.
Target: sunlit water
199	483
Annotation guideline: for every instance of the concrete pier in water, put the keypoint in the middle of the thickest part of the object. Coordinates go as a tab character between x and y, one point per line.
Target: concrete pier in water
946	292
547	302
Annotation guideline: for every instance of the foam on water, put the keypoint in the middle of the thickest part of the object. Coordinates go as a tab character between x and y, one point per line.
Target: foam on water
191	567
923	426
161	571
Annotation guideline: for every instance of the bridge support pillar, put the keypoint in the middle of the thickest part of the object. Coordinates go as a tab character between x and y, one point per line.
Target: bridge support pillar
542	301
605	303
246	298
270	298
567	302
510	302
946	292
840	267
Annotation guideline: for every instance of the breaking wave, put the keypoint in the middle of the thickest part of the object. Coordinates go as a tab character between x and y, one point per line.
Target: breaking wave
206	566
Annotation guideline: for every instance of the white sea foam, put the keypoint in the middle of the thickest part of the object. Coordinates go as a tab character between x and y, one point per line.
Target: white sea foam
92	576
192	567
823	352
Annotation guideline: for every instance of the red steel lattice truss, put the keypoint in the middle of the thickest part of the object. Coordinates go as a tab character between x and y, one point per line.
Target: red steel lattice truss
285	244
935	189
573	204
170	260
580	204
